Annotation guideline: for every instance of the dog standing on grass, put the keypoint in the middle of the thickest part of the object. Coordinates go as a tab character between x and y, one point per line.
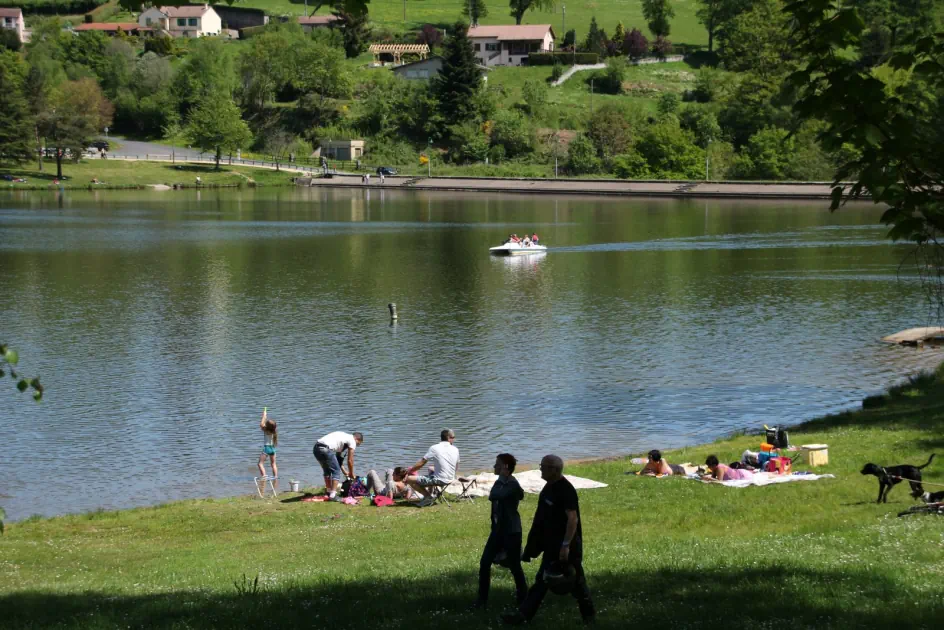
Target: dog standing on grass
888	476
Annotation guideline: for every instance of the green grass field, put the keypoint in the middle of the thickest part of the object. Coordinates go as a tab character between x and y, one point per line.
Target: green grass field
389	14
669	552
119	173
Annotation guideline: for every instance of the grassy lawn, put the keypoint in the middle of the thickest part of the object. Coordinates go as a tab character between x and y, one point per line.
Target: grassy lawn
389	14
120	173
686	554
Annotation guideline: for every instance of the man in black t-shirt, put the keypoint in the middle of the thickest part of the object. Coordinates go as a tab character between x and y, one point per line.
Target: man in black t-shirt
556	535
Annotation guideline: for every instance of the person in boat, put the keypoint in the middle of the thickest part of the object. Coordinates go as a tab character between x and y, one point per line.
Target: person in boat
534	238
526	241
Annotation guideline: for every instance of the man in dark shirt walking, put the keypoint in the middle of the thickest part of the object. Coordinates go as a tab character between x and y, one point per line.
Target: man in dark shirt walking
505	536
557	534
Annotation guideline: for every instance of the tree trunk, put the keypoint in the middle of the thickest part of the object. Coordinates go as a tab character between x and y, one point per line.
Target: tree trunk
39	145
518	16
58	163
219	156
711	35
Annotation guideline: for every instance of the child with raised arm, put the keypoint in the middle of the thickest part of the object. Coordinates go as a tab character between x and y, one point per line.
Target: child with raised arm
271	436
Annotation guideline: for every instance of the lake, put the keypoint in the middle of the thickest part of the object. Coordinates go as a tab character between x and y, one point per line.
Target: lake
161	323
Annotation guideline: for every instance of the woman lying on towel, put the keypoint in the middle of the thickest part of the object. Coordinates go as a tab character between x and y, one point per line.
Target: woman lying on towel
720	472
658	466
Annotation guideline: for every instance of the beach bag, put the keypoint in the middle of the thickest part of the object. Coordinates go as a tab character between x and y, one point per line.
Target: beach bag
382	500
777	437
779	465
354	488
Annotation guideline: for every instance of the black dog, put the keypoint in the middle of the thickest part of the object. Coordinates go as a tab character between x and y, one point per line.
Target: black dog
933	497
891	475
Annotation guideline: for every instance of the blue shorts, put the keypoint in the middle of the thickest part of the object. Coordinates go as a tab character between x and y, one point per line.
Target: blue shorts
328	460
268	450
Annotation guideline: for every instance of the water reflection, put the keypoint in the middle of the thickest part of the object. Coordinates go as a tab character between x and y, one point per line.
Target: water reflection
163	323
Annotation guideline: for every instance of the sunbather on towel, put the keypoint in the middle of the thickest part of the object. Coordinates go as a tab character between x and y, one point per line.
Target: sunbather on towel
721	472
658	466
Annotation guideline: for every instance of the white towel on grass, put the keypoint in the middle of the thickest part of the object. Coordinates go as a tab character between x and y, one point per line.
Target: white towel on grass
765	479
530	481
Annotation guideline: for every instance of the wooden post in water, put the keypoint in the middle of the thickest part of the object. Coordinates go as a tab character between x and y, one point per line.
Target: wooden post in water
393	310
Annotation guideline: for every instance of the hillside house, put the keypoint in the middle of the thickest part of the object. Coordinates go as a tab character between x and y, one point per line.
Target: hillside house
428	68
184	21
317	21
13	19
510	45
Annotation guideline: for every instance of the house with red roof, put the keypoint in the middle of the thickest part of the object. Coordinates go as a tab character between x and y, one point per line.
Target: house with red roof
183	21
13	20
316	21
510	45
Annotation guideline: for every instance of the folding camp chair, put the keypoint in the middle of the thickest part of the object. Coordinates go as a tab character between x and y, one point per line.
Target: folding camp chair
262	482
467	484
438	492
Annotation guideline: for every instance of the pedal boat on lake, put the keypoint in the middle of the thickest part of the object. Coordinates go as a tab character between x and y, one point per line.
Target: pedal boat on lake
516	249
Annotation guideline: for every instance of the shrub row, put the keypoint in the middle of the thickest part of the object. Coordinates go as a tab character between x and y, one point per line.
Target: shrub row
53	7
565	58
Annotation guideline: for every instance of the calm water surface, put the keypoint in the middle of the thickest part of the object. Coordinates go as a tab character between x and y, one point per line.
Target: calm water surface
162	323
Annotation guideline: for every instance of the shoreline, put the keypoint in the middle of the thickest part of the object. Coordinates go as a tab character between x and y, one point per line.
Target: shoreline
810	191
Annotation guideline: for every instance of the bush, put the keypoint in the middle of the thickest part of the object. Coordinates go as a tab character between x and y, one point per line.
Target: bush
582	157
9	40
668	103
514	133
160	45
570	38
468	143
549	59
610	81
631	166
429	35
662	47
635	44
557	71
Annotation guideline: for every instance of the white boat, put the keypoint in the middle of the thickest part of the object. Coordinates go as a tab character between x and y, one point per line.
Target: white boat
517	249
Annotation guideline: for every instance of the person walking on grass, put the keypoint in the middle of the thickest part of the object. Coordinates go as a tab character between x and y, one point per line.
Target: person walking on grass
270	435
556	535
504	541
330	451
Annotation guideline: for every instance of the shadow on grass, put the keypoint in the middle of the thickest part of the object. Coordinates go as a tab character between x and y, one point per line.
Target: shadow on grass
732	598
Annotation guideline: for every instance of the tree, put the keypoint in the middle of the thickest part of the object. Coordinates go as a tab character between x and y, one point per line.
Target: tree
702	123
610	81
429	35
535	95
582	156
635	44
890	137
619	35
715	14
658	14
668	104
277	144
354	30
16	123
596	39
45	72
468	143
216	125
9	40
321	70
208	69
661	47
610	131
520	7
570	39
474	9
512	132
671	152
758	40
268	63
77	111
458	81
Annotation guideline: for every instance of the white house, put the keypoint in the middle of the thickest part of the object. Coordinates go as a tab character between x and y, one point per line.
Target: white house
185	21
510	45
13	19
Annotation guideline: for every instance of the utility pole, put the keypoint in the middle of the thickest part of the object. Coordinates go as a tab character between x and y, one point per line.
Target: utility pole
707	147
564	20
404	10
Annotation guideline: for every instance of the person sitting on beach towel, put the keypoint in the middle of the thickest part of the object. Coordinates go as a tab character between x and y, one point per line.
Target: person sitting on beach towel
721	472
657	465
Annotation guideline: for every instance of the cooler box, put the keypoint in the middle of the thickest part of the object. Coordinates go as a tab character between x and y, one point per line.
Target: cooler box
816	454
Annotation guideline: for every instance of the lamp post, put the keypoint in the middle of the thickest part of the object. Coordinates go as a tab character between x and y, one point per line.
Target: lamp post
564	19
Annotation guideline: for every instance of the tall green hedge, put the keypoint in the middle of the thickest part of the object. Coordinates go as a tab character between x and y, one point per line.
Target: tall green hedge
565	58
53	7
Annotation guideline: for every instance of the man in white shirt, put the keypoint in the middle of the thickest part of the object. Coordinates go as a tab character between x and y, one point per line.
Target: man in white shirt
329	451
445	459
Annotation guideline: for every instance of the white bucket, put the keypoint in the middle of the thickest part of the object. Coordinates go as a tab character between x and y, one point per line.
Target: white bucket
294	485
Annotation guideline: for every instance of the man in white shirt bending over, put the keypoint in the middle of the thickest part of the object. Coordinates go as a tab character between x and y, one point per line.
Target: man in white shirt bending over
329	451
445	460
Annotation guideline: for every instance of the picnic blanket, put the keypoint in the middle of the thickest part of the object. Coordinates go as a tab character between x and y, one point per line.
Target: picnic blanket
765	479
530	481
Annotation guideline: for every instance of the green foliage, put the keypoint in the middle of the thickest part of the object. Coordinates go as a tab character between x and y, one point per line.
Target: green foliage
549	59
321	70
582	157
205	71
391	107
56	7
557	71
610	81
9	40
619	35
631	165
758	40
658	14
9	359
702	123
717	14
459	80
354	31
635	44
269	63
671	151
611	130
215	124
474	10
16	123
160	44
669	103
77	112
520	7
570	39
514	133
535	95
468	143
766	155
596	39
750	106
